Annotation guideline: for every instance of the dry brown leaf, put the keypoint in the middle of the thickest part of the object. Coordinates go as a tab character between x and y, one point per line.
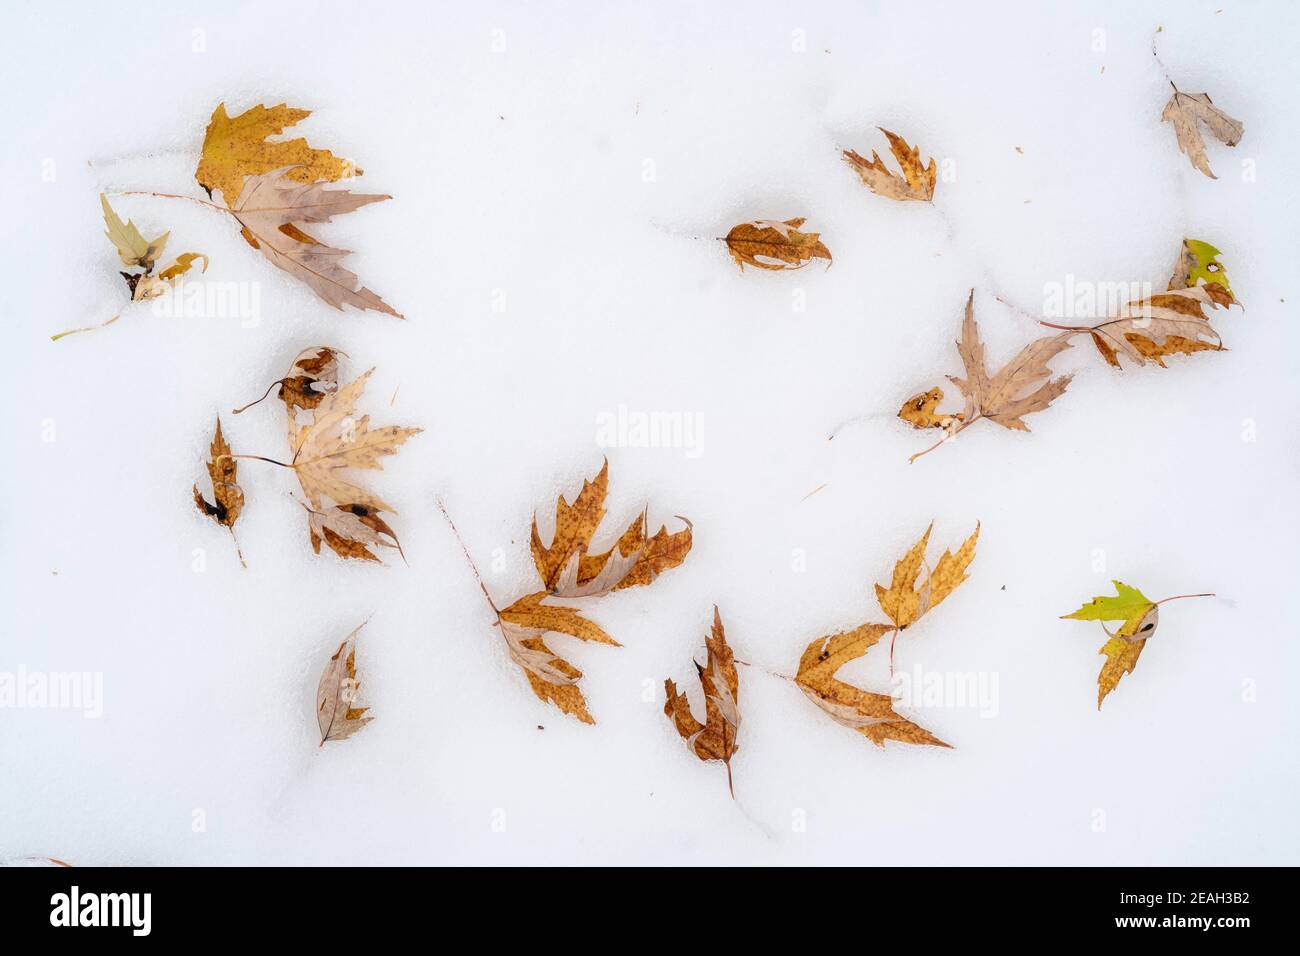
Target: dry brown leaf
919	410
866	712
234	148
338	691
268	209
1190	111
1023	386
569	569
336	440
553	679
228	497
1166	323
917	181
903	602
768	244
715	739
351	531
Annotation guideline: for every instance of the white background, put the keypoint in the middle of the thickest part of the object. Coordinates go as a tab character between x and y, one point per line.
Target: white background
522	170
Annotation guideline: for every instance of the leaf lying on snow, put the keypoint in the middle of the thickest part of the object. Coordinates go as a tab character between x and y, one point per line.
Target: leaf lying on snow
132	248
1166	323
866	712
768	244
568	571
234	148
715	739
327	438
228	497
902	601
1188	112
334	441
269	208
1198	262
338	691
917	181
1140	616
1023	386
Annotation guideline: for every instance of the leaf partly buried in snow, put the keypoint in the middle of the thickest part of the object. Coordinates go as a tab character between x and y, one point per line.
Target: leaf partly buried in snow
132	248
715	739
337	692
869	713
269	209
235	148
1198	262
228	497
1188	112
768	244
917	181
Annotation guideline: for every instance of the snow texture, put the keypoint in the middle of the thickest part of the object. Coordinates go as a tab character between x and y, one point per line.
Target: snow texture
559	173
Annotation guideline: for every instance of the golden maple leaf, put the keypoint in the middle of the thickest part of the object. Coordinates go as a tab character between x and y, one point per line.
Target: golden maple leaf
866	712
903	602
569	569
715	739
235	148
553	679
917	181
768	244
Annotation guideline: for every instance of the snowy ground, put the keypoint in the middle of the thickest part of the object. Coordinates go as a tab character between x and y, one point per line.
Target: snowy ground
557	170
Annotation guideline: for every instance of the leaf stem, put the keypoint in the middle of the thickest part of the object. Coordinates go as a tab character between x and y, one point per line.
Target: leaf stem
85	328
146	192
260	458
1179	597
468	557
236	411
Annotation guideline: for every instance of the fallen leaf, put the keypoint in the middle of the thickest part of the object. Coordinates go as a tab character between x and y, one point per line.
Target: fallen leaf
181	265
1198	262
132	248
228	496
268	209
553	679
1123	648
919	410
715	739
870	714
351	531
567	567
1162	324
338	691
917	181
902	601
234	148
768	244
1023	386
569	571
1188	112
336	440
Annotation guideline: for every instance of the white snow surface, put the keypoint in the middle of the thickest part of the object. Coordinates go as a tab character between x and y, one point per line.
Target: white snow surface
575	161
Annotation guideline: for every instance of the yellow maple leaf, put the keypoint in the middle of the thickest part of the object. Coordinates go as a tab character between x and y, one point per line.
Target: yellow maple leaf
234	148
